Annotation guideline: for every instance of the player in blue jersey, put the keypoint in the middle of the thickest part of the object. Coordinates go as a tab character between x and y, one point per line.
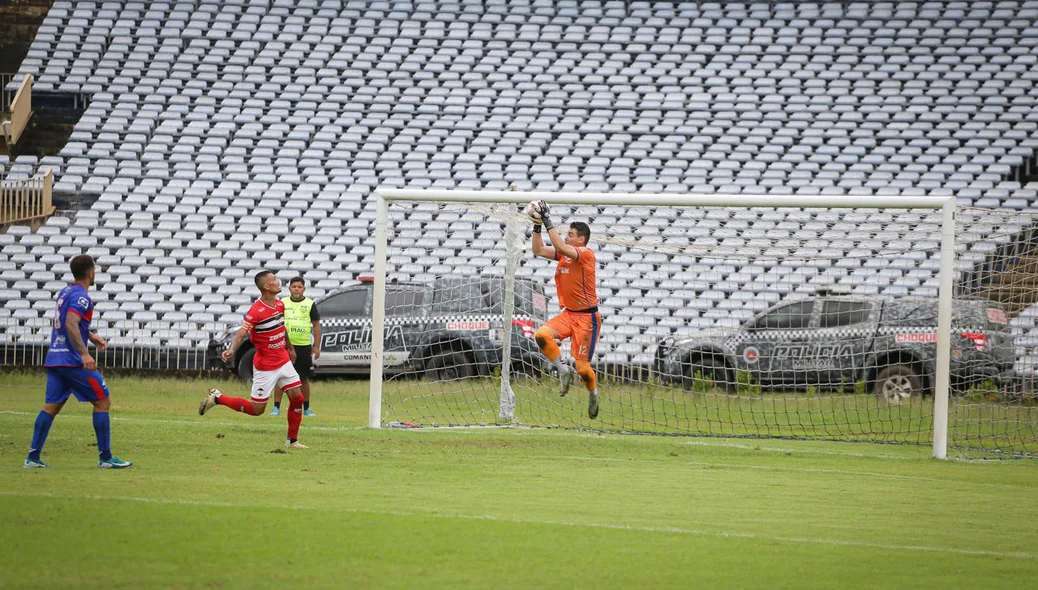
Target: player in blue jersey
72	371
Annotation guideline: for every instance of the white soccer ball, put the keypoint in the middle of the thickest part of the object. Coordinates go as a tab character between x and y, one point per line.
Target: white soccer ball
533	211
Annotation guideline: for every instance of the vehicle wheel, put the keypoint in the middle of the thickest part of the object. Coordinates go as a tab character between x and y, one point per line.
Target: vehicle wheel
245	365
897	384
450	366
710	368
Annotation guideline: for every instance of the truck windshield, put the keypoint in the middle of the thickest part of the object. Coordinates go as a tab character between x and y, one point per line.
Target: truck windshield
483	295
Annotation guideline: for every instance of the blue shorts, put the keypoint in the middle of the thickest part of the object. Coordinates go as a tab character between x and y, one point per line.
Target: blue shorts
88	386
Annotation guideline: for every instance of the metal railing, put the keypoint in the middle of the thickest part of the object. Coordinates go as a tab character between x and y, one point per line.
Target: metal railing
132	345
27	199
5	98
189	347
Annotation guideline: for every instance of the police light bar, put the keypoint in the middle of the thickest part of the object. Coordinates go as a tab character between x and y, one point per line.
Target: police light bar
832	290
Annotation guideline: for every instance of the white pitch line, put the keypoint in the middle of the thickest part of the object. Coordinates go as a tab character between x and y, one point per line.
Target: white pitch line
204	423
589	525
511	429
520	430
703	442
276	425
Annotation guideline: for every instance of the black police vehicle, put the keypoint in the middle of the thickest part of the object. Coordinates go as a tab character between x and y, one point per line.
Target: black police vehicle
835	341
450	328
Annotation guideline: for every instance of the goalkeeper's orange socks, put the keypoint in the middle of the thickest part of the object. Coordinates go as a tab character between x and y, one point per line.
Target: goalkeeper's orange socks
295	416
238	404
587	375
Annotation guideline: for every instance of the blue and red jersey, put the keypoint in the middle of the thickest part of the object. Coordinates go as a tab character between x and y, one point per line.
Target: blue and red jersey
74	300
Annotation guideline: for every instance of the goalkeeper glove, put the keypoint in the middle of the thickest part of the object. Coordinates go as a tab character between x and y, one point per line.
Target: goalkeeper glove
545	220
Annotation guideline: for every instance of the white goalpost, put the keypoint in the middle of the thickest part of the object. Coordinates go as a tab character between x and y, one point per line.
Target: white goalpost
843	316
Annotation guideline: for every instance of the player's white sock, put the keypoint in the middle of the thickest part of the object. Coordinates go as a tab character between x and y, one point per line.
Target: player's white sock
558	365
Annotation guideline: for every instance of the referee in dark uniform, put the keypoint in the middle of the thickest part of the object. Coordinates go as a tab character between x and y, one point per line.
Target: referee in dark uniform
302	321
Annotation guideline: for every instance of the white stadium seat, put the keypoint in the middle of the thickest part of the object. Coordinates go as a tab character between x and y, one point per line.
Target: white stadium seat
265	138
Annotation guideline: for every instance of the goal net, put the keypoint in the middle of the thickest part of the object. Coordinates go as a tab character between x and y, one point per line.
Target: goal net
730	316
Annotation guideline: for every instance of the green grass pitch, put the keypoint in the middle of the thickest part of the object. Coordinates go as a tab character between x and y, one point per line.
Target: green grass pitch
212	502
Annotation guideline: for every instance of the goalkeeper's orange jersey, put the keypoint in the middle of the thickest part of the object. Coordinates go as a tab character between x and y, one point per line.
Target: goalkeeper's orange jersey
575	280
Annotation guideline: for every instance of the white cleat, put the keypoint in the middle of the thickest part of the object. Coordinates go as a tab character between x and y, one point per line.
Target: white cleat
295	445
592	404
31	463
565	380
209	401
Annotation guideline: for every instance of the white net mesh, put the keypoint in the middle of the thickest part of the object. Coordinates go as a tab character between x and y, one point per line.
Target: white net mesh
806	323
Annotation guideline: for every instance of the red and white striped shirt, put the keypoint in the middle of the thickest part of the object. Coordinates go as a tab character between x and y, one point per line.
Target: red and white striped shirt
268	335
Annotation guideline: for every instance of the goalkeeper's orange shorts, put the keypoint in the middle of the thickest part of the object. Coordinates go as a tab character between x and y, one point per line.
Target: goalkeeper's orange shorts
581	328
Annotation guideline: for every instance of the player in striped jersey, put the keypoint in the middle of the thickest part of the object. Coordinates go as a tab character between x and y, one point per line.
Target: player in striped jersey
272	367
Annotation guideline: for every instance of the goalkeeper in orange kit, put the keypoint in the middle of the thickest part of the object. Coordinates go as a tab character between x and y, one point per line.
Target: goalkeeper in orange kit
578	298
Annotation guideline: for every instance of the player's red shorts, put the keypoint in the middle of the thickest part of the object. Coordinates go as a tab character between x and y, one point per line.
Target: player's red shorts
581	328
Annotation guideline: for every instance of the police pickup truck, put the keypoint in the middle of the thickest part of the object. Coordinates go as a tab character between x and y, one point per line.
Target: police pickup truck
835	341
448	329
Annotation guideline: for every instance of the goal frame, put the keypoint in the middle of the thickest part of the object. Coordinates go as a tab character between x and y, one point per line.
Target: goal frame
946	204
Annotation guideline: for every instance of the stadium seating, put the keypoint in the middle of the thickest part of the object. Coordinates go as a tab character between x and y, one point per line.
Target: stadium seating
223	136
